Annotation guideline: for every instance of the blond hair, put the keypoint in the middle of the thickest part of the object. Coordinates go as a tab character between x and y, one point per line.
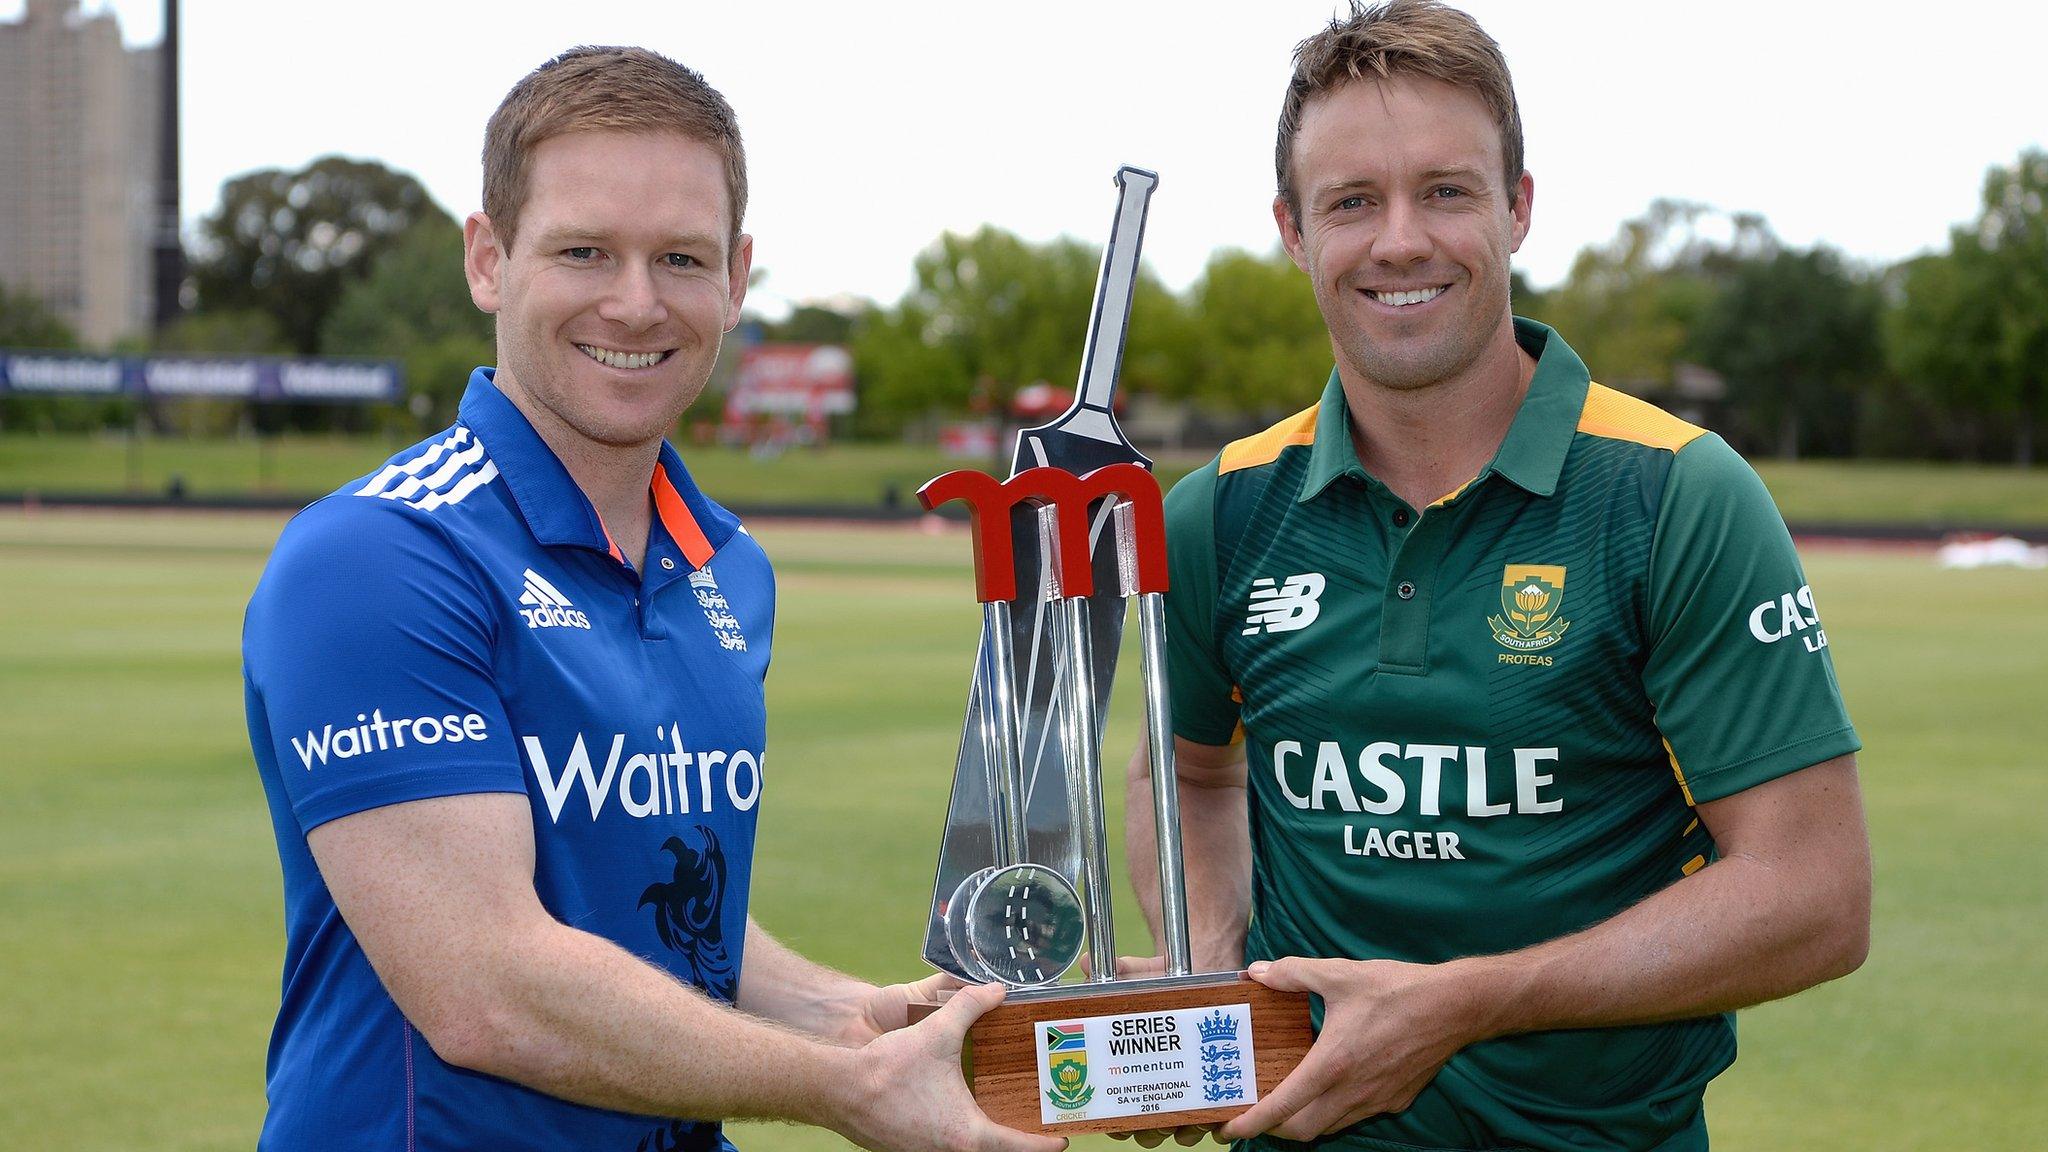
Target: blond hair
1399	38
599	89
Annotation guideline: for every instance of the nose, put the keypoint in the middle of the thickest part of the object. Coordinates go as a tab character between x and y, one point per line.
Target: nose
1403	238
634	299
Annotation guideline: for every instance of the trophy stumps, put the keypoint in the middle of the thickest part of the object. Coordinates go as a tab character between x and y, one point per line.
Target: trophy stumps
1105	1055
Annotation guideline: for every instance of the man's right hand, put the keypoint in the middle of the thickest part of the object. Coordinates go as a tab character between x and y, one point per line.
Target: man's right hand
910	1095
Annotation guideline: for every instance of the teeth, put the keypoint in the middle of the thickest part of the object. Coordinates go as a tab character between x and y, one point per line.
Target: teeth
1418	296
611	359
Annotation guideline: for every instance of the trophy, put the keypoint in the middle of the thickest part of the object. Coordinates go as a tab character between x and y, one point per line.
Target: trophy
1061	548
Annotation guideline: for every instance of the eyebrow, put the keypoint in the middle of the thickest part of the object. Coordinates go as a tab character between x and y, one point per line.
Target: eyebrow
1457	172
588	237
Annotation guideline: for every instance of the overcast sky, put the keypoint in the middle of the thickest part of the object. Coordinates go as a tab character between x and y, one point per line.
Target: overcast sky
872	127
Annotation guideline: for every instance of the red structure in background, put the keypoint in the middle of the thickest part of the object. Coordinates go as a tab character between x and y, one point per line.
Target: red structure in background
788	392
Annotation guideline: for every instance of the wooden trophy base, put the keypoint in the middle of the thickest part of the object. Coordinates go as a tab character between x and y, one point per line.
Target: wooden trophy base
1152	1054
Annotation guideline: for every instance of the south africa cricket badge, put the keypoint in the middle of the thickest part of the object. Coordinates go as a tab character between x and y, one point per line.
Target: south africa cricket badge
1530	597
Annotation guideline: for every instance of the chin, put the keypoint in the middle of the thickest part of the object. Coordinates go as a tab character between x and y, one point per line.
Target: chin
1419	368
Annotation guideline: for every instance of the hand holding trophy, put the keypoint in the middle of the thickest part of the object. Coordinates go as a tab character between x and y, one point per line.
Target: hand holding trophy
1023	883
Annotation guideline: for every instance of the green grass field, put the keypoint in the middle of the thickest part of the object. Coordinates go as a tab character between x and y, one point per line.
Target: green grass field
860	475
140	934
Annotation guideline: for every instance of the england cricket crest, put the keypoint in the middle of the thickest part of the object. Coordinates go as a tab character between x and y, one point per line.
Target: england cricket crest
1530	597
1066	1066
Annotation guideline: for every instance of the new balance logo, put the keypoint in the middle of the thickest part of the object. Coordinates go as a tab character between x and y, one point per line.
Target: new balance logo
547	607
1288	608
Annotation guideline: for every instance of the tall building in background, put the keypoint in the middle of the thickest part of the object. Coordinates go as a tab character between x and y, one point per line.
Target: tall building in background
79	119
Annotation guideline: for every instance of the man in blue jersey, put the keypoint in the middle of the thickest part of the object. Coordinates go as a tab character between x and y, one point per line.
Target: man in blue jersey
505	695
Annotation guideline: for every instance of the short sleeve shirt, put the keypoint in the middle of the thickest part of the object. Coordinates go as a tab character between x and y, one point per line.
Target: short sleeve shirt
460	622
1482	724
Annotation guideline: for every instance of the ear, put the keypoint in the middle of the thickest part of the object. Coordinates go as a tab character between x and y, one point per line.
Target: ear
736	279
1290	233
483	260
1525	200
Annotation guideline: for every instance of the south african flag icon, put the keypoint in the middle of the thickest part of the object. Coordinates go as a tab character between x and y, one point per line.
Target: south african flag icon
1066	1065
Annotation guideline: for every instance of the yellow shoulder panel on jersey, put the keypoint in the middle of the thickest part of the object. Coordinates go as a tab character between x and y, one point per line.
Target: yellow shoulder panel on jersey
1265	447
1620	416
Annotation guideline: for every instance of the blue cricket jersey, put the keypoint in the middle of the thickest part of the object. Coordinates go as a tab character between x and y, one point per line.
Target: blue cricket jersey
460	622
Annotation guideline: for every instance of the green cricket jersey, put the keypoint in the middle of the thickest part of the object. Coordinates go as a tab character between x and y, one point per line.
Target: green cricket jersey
1483	724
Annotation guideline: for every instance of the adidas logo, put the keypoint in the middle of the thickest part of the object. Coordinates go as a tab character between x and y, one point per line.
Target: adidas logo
547	607
1288	608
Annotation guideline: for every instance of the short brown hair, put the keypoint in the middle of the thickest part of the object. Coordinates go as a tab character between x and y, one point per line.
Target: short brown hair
591	89
1400	38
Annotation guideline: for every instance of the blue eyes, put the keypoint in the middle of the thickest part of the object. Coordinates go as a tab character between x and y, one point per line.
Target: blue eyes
1440	192
584	254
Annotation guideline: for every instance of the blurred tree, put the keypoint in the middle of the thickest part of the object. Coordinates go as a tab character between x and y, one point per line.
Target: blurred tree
1793	333
1970	332
811	324
243	331
413	306
25	322
1628	306
1527	299
288	243
1264	347
227	331
2008	249
990	313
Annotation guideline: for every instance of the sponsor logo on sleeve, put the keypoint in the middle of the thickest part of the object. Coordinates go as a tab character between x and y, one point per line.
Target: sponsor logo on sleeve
1289	607
373	733
1774	620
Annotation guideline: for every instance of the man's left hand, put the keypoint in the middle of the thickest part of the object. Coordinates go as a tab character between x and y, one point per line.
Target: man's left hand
1387	1028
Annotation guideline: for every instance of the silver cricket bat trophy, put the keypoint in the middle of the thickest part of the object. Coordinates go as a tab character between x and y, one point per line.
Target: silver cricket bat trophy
1026	639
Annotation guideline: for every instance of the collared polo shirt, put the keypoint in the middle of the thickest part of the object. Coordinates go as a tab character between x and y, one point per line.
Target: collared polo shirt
1478	725
460	621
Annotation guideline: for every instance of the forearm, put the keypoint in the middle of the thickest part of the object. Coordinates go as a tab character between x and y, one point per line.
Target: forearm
575	1016
1733	934
1785	908
1215	858
778	984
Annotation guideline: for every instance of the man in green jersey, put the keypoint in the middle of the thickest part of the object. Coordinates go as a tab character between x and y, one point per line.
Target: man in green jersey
1504	718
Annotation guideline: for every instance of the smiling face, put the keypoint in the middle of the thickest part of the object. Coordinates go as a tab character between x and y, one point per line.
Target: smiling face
1406	227
613	295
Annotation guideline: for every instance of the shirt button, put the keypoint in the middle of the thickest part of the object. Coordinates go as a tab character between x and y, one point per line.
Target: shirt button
1400	517
1405	590
667	564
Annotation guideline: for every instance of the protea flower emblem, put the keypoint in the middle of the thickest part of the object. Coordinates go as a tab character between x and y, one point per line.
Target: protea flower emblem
1530	595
